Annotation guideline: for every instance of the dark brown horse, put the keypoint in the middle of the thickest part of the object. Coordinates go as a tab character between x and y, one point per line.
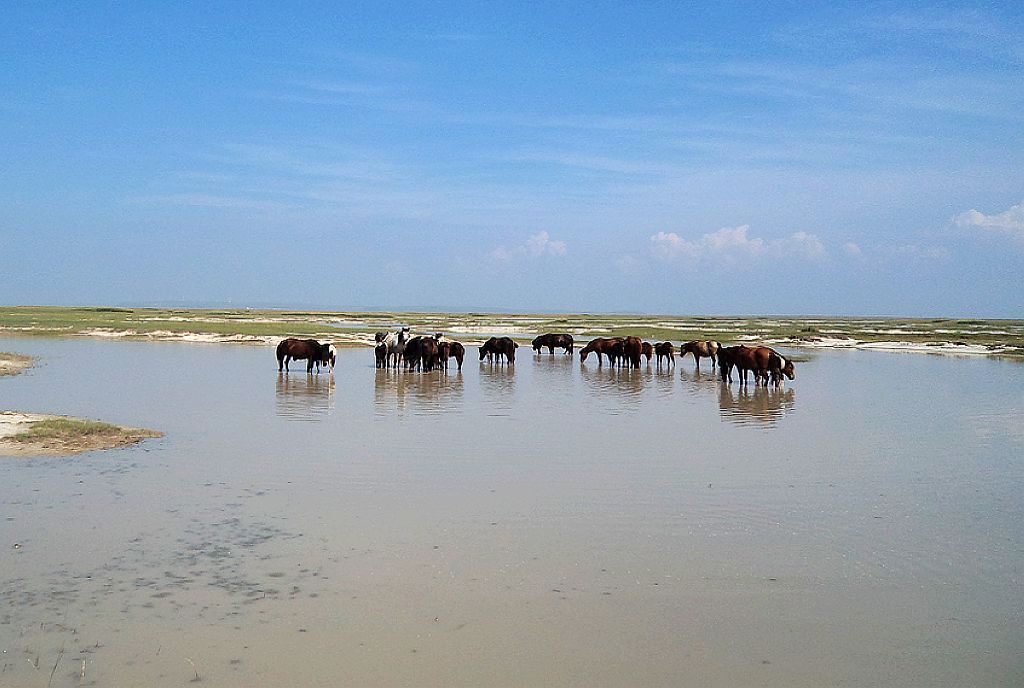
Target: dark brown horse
647	351
446	349
701	348
667	351
632	348
310	349
600	345
420	352
727	361
380	353
498	347
562	341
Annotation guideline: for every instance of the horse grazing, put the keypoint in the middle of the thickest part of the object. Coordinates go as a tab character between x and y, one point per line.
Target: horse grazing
769	363
310	349
600	345
395	345
647	350
495	346
667	351
701	349
562	341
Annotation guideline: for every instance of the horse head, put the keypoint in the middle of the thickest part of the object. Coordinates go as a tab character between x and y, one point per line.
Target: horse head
788	369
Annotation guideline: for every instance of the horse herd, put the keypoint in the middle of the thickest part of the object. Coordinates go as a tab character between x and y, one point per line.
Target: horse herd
424	352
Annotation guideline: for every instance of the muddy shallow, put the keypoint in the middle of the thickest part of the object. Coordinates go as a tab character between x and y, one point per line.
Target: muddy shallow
555	525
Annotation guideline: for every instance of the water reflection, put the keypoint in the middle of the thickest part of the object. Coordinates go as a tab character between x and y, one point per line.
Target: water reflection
431	393
755	405
498	383
304	397
626	384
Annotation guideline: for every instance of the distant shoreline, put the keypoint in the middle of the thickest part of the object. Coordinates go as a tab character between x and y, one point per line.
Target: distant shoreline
239	326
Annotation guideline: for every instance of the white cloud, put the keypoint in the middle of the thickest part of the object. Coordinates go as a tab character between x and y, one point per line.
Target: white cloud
732	243
1009	221
852	249
800	244
539	244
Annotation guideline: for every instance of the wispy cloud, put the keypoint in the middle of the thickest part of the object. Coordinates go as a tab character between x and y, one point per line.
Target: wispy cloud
536	246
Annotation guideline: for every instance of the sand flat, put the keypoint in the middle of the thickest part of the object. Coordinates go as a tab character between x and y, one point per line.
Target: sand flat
13	423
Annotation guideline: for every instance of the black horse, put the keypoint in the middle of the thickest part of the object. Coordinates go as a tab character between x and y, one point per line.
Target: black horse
562	341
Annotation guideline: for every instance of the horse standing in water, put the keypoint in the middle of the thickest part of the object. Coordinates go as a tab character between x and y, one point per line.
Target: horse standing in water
498	347
701	349
667	351
394	343
647	349
600	345
562	341
310	349
446	349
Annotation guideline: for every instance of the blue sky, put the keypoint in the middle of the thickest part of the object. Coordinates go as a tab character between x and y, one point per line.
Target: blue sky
859	159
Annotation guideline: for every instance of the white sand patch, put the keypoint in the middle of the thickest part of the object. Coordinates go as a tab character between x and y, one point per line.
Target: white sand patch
484	329
13	422
949	348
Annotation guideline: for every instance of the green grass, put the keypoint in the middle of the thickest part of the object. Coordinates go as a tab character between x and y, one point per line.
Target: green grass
67	429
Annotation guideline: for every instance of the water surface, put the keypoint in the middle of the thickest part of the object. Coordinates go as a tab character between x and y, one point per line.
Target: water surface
547	524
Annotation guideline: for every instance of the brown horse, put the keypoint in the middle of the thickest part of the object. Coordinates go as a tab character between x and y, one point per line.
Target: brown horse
700	349
498	347
729	358
600	345
446	349
632	348
562	341
647	350
420	352
667	351
310	349
769	363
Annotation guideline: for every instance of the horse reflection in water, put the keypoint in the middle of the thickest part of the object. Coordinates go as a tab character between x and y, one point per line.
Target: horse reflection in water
428	394
304	397
625	384
757	406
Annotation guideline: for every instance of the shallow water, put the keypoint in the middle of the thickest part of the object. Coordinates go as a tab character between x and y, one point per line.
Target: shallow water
550	524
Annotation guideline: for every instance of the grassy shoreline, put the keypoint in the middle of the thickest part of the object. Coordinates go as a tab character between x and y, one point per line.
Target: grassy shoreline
28	434
947	335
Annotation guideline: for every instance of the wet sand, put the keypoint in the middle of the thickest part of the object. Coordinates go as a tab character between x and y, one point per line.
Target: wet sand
553	524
